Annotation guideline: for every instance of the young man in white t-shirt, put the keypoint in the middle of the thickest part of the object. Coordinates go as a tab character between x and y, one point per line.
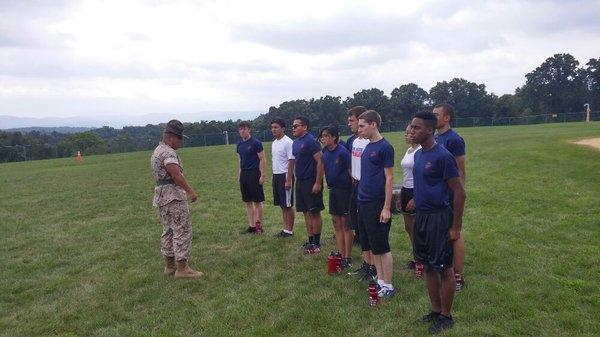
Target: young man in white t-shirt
283	176
356	145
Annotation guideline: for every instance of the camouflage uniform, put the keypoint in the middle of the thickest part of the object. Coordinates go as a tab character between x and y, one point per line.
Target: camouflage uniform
171	201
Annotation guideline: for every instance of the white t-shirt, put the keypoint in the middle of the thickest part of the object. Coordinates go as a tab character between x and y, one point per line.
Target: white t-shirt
281	152
407	163
358	146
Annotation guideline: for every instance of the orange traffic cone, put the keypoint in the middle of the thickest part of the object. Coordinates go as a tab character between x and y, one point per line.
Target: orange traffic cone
79	157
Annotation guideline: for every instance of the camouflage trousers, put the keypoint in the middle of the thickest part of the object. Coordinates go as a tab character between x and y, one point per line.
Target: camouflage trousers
176	237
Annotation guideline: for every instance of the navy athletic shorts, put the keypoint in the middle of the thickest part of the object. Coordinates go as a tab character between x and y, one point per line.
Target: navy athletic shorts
339	201
281	196
306	201
374	235
353	209
406	194
431	244
252	190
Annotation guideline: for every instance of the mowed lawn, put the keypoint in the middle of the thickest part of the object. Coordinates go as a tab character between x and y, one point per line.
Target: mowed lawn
80	250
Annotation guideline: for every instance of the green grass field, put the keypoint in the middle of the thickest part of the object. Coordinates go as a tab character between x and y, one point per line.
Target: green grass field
80	250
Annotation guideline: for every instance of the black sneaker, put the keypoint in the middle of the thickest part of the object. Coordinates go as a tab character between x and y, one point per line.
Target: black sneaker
250	230
361	271
346	263
306	247
371	274
441	324
283	234
314	249
430	317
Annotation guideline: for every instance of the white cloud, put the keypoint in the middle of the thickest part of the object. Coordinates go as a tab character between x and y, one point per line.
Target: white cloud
138	56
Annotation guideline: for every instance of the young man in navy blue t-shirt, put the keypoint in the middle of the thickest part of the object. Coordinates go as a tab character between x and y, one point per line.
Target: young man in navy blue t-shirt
309	182
375	198
454	143
437	225
252	176
336	161
356	146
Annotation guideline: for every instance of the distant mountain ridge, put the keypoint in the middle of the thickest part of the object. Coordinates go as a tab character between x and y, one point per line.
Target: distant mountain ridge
50	129
119	121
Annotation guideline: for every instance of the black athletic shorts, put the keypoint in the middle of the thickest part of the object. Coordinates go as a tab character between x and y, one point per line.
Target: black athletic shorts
431	244
281	196
306	201
406	194
374	235
252	190
353	209
339	201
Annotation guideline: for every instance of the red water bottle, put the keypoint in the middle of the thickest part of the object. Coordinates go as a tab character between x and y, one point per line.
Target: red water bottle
331	264
338	262
373	294
259	229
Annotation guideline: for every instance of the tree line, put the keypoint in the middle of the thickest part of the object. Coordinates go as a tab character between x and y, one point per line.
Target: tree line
559	85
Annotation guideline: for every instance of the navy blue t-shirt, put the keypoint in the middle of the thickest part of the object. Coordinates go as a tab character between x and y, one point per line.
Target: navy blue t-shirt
248	151
452	142
303	150
431	172
349	142
337	164
373	161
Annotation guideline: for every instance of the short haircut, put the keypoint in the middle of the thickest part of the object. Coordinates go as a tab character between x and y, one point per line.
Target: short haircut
428	117
304	121
333	131
279	122
448	109
371	116
356	111
244	124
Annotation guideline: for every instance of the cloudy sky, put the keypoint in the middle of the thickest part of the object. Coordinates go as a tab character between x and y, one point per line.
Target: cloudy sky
85	58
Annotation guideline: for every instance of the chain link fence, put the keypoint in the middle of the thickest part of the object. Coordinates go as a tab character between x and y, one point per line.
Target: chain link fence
394	126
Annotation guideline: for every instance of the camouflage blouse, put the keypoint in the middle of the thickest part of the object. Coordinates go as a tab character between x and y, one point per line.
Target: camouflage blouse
166	190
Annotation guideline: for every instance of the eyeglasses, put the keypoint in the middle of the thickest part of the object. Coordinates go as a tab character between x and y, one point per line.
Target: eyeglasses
295	126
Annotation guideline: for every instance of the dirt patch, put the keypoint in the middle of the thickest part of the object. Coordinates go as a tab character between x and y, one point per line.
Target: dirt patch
590	142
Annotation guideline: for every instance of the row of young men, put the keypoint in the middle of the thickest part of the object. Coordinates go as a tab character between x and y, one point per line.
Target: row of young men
304	163
436	179
364	204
